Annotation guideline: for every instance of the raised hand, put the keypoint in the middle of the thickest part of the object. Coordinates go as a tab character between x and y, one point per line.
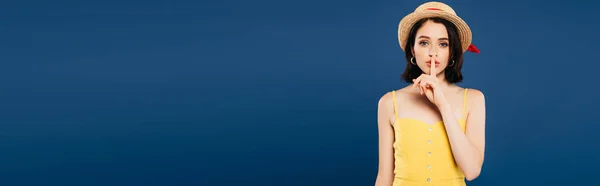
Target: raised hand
428	84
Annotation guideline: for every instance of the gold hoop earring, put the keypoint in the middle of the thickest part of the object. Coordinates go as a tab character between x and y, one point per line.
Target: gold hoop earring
452	63
411	61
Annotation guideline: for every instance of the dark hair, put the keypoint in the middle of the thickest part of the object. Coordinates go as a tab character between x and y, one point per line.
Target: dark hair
453	74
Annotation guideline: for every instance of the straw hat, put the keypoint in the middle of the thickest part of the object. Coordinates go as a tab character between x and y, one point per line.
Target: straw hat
441	10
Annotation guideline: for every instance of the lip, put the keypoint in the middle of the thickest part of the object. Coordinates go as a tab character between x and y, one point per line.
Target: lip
437	63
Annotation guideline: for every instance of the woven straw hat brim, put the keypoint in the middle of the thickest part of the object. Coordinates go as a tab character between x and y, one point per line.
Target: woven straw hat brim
408	21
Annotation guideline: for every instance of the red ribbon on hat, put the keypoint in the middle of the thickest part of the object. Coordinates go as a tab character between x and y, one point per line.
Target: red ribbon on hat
473	49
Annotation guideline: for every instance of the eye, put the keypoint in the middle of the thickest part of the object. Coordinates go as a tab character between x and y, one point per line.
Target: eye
444	44
423	43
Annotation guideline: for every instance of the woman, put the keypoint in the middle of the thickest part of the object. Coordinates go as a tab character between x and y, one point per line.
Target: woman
431	132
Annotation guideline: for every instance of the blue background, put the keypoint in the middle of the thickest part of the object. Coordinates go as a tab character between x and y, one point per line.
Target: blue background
276	92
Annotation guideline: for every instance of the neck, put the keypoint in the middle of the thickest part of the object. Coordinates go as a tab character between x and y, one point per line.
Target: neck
443	83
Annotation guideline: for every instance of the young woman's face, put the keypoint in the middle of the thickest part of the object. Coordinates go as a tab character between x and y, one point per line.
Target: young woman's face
431	40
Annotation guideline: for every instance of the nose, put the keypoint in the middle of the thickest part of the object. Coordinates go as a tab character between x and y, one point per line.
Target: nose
433	52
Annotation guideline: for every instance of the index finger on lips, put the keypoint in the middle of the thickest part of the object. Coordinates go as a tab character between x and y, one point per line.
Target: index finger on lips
432	68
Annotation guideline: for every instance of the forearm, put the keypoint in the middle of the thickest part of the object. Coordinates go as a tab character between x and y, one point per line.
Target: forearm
384	180
467	157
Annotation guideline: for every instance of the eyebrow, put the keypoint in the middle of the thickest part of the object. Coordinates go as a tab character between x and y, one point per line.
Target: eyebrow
427	37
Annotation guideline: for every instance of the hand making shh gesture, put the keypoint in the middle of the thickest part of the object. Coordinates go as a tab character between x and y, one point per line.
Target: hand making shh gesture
428	84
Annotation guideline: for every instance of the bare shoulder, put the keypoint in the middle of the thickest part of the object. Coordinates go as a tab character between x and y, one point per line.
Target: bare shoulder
386	101
400	94
393	98
406	93
475	109
385	109
408	90
475	96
